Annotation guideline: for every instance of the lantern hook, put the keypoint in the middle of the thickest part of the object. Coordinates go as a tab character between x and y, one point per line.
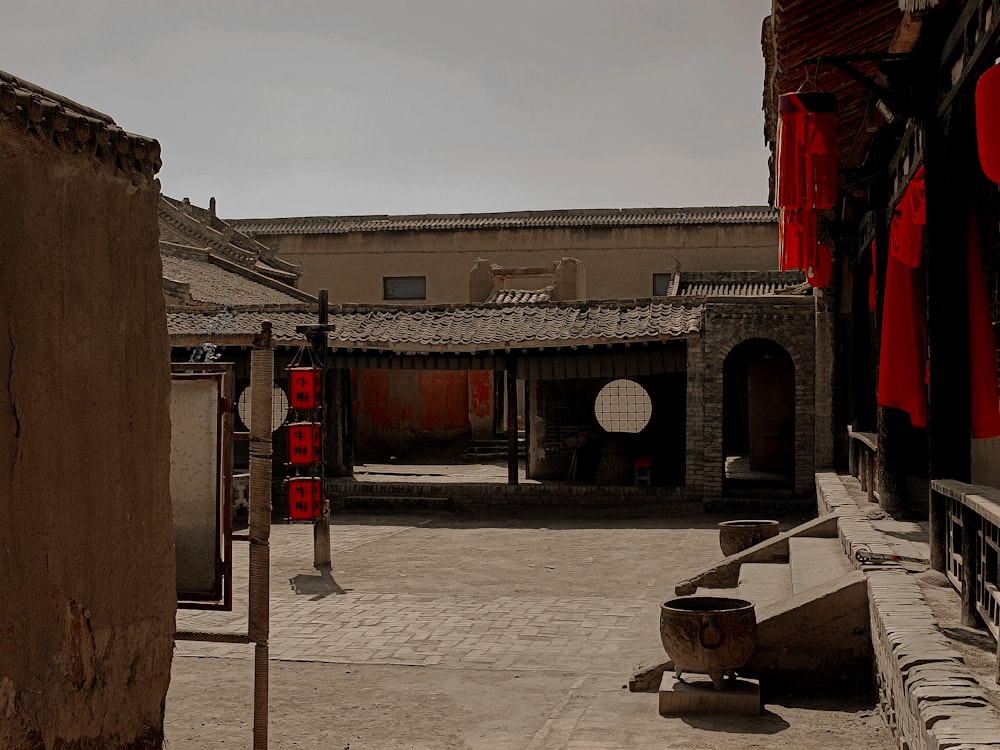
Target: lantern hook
844	64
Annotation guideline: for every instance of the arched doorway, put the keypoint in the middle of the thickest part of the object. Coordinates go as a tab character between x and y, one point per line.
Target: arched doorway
758	436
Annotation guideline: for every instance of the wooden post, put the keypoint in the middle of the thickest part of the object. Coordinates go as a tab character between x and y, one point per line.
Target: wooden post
970	533
949	411
321	525
258	617
937	532
511	420
527	428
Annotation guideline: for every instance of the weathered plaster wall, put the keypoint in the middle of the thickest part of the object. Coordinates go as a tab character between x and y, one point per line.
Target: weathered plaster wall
86	552
619	263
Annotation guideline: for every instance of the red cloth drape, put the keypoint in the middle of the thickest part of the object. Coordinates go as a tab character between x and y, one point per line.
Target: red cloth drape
902	379
806	181
982	343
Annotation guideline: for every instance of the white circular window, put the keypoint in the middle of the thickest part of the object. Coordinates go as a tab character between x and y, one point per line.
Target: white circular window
623	406
279	407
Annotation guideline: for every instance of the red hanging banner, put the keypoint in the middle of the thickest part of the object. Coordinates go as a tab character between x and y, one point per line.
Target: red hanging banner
807	151
902	375
806	181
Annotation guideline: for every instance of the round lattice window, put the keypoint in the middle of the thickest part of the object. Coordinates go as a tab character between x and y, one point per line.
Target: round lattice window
623	406
279	407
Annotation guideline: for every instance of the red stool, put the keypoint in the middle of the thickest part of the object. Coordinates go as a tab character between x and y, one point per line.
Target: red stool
643	472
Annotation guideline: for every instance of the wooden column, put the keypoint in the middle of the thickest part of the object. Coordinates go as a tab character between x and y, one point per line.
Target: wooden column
511	420
891	425
949	410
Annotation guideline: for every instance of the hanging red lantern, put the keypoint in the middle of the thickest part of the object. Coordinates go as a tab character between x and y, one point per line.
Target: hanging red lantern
807	151
305	498
988	122
304	443
305	387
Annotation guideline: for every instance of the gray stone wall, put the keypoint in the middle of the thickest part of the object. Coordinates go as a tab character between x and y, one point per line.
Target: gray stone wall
87	592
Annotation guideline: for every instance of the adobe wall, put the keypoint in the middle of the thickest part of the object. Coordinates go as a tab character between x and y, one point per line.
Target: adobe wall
619	262
86	546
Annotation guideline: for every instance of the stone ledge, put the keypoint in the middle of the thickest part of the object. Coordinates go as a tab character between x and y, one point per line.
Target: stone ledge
928	697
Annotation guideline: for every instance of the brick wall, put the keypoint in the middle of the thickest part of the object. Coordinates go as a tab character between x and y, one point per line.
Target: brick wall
790	324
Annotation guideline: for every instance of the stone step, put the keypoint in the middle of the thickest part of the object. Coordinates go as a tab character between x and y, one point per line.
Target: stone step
381	503
816	561
764	583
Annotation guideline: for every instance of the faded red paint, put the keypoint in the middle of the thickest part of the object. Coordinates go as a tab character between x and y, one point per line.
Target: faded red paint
443	401
481	393
409	405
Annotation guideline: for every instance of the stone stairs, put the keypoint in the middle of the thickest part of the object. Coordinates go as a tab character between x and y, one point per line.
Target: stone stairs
811	605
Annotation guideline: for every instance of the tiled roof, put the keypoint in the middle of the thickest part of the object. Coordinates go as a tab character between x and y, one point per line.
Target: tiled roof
519	296
183	223
798	31
455	328
236	327
741	284
596	218
209	280
74	127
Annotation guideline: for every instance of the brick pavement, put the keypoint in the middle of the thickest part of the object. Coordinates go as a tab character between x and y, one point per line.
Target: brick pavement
311	621
445	631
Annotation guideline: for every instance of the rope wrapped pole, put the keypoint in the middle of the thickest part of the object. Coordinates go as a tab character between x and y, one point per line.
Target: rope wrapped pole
261	390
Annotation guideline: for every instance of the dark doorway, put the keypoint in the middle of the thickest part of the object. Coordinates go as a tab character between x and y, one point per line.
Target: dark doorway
758	439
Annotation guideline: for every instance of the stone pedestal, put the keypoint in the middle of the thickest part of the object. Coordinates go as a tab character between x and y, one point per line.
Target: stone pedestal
694	694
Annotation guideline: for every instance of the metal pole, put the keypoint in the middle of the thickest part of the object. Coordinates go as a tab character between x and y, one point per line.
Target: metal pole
321	526
258	620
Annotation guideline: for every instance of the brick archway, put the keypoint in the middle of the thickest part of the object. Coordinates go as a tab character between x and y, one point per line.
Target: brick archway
795	335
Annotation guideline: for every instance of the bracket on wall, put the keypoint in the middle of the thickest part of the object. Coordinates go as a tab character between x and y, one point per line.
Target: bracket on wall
889	99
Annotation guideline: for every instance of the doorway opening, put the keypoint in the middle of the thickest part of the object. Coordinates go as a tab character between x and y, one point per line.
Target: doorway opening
758	437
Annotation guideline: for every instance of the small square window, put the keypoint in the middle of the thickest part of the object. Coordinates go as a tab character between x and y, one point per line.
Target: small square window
662	284
404	287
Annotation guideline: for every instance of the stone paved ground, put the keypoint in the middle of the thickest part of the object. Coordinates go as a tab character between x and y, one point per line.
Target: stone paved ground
457	632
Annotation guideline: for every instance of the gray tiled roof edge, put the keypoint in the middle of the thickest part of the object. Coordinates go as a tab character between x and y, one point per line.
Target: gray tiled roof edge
563	218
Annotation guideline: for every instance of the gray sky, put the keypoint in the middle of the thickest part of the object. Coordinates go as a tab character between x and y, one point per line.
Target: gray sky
308	107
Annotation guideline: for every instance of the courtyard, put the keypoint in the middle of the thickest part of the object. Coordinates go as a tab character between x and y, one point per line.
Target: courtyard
459	631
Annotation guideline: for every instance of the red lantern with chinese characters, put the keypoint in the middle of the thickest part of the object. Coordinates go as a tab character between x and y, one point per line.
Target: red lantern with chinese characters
988	122
305	498
305	387
305	443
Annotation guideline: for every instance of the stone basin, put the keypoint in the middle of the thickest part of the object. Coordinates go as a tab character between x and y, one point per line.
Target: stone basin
736	536
710	635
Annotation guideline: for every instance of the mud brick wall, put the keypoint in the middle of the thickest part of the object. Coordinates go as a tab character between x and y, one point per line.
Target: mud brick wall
87	591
